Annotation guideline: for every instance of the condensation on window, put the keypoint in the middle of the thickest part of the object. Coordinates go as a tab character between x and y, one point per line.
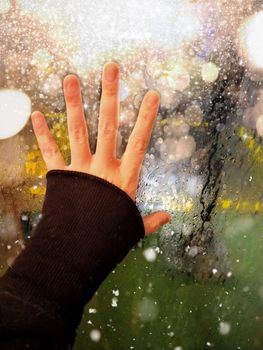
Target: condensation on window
198	282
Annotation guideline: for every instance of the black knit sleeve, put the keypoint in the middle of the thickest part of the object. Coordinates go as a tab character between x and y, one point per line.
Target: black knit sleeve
88	225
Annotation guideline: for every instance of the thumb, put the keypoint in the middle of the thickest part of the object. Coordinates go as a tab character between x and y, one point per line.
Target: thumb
155	220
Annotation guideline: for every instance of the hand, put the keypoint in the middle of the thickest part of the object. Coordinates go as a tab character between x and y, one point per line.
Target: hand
123	172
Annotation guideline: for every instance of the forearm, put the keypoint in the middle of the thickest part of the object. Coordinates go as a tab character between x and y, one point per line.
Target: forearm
88	226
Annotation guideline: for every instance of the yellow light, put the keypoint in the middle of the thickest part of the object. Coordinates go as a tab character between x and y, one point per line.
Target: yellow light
210	72
226	204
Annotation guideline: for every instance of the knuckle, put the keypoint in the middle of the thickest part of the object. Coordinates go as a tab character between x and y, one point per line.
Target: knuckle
108	129
110	90
78	133
139	145
50	151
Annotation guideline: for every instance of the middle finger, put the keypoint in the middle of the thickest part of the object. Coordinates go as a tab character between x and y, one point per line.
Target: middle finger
109	112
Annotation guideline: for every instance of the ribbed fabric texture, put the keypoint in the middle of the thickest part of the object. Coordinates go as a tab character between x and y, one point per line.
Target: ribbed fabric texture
87	227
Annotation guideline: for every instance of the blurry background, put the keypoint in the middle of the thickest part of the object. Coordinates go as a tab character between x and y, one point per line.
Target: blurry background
198	283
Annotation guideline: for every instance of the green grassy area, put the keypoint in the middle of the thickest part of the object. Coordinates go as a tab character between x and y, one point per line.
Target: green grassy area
183	312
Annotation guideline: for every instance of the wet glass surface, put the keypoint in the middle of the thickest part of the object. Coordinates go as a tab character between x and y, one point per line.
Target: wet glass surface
197	283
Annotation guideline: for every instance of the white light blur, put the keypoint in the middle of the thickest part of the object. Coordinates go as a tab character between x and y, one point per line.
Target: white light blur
42	58
259	126
95	335
124	90
251	35
15	109
177	79
100	27
147	309
150	254
52	84
224	328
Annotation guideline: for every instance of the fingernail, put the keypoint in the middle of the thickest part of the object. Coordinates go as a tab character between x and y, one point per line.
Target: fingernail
110	72
37	119
152	98
71	85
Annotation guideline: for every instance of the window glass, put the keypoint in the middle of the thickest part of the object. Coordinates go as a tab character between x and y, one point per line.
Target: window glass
198	282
